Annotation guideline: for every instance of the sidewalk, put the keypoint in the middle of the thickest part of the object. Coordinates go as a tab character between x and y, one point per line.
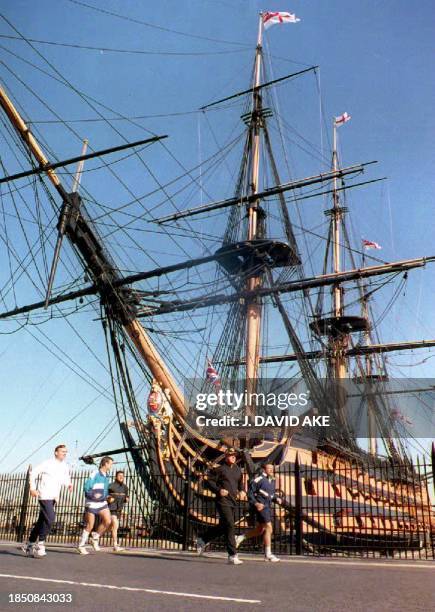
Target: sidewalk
250	557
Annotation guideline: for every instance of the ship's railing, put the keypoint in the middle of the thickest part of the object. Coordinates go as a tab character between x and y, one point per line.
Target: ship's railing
328	507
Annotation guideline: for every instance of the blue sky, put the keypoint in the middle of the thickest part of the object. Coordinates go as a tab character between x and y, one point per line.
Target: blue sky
375	62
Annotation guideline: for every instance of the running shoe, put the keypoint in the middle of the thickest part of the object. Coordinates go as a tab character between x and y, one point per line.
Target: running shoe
118	548
95	542
272	559
200	546
239	540
234	560
39	551
83	550
28	549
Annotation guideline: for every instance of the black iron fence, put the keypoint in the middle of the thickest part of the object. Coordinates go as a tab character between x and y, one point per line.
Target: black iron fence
327	508
369	508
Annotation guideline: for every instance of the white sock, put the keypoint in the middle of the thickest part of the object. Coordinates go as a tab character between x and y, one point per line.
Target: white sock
84	538
95	535
268	551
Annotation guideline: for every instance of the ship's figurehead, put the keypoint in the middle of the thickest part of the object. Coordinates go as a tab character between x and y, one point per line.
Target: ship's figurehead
160	414
155	400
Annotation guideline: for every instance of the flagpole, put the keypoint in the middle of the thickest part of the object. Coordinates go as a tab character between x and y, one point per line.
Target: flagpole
337	295
258	50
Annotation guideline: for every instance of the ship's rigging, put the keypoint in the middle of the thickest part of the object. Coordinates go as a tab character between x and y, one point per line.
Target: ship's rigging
249	286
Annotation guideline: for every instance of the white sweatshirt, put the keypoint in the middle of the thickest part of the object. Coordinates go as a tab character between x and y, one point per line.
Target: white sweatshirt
54	474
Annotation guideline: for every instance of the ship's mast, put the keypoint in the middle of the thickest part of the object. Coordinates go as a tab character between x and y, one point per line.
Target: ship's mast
339	344
371	405
253	307
339	365
338	327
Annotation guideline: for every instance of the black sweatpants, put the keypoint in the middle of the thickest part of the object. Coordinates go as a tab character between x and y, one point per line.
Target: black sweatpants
226	527
46	517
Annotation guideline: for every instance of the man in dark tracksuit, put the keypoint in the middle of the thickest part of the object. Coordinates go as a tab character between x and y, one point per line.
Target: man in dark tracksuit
261	494
226	483
118	497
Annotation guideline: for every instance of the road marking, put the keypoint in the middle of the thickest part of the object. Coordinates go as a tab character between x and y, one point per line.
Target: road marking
125	588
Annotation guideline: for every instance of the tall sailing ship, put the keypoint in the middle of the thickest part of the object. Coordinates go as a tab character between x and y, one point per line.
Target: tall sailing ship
249	313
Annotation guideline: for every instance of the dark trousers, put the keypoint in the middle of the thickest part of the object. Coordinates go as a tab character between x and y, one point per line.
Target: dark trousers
226	527
46	517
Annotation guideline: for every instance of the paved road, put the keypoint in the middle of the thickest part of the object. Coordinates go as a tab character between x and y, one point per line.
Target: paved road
178	582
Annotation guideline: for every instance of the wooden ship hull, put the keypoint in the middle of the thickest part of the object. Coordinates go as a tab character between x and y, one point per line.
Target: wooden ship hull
345	504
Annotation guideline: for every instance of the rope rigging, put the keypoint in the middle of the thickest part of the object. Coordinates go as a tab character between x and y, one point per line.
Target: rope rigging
221	333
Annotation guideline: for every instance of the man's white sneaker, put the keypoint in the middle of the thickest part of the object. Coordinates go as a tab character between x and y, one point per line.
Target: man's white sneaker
95	542
28	549
39	551
272	559
239	540
234	560
82	550
118	548
200	546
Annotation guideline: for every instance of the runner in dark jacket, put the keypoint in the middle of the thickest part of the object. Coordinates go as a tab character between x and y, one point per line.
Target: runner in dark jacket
118	497
226	483
261	495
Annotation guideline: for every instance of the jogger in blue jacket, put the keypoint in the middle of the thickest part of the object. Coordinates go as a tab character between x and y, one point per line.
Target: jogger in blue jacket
96	489
261	494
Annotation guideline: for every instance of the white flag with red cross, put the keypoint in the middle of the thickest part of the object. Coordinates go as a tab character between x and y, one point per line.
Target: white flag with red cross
342	119
369	244
270	19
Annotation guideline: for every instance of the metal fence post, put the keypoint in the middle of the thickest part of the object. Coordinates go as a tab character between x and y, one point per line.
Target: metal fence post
186	498
433	464
298	507
21	530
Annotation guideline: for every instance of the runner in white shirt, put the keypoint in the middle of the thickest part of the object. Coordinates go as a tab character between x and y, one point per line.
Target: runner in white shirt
53	474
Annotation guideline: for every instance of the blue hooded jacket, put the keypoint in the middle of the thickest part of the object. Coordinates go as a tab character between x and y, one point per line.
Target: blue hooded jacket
96	488
262	490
